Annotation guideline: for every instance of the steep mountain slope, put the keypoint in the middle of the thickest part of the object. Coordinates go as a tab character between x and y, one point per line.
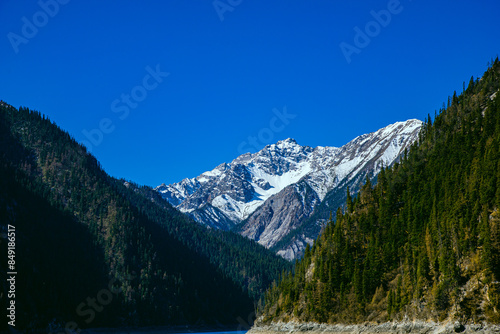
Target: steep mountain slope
424	243
247	263
277	189
82	234
280	214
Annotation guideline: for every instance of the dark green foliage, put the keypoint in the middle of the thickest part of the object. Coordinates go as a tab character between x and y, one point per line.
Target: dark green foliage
408	245
246	262
79	230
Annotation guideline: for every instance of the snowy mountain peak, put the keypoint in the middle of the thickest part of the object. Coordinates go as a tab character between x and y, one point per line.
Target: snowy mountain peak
289	142
232	192
287	147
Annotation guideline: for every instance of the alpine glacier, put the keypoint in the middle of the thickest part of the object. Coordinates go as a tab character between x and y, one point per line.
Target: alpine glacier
270	194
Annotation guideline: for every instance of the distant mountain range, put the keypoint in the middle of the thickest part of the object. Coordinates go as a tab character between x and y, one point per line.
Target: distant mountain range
282	195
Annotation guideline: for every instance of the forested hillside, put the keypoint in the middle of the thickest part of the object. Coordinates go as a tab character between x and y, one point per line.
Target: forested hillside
424	242
81	232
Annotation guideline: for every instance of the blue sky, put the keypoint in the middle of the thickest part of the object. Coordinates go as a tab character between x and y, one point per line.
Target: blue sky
170	89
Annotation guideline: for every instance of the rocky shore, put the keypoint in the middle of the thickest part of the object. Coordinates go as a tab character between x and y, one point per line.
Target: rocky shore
368	328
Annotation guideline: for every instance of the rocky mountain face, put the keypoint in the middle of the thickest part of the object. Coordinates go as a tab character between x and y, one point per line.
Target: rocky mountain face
282	195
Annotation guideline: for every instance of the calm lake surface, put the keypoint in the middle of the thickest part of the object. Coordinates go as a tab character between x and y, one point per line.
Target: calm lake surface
155	331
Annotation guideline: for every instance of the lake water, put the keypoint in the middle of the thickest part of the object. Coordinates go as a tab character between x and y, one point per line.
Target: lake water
154	331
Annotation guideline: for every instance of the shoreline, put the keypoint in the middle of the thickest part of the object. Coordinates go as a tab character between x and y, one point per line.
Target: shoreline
418	327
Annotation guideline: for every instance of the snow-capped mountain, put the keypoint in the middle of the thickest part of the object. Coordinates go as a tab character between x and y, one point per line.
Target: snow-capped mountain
269	194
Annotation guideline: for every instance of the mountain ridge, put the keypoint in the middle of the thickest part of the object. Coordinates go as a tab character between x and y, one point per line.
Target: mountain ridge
165	268
233	194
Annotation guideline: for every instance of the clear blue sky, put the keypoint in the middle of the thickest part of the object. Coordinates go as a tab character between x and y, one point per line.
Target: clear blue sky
87	64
